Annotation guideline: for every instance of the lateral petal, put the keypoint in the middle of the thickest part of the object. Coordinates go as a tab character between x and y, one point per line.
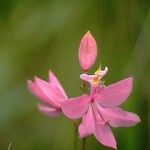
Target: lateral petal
117	117
115	94
76	107
87	126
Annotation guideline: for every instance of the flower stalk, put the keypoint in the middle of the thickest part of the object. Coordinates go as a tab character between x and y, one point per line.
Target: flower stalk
75	134
83	143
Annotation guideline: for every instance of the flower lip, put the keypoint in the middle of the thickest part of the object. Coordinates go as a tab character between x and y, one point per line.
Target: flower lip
95	79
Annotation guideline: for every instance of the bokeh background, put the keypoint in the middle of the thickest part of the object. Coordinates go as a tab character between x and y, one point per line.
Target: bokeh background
38	35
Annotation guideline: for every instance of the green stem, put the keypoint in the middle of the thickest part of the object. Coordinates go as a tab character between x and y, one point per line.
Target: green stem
75	135
84	87
83	143
110	148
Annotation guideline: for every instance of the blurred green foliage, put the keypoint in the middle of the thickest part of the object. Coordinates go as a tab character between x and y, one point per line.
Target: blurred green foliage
38	35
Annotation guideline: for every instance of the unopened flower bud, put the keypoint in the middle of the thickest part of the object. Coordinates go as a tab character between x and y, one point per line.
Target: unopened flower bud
87	51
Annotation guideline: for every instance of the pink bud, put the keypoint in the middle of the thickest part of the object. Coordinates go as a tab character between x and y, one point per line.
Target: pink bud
87	51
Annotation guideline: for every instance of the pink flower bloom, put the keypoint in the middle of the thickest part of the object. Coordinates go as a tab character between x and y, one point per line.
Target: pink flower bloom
100	110
50	93
87	51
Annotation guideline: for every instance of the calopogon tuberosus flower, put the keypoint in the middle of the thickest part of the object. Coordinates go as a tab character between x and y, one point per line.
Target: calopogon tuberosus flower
100	110
50	93
87	51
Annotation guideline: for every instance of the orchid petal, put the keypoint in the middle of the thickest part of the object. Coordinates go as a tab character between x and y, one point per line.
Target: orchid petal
54	82
34	89
87	126
76	107
117	117
105	136
115	94
50	92
52	112
96	91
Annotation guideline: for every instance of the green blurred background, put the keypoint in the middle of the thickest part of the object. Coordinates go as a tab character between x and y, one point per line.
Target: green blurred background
38	35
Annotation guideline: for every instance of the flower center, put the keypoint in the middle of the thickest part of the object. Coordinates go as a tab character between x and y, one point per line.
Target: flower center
97	78
96	81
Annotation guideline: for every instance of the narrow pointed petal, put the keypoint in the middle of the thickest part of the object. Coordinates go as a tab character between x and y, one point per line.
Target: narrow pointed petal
54	82
115	94
50	92
35	90
76	107
52	112
117	117
87	126
105	136
87	51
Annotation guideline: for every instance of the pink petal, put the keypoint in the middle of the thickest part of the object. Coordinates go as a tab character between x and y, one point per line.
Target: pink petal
35	90
97	115
54	82
52	112
50	92
76	107
96	91
115	94
87	126
117	117
105	136
87	51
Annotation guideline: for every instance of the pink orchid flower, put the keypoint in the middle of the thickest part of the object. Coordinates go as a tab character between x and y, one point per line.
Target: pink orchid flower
87	51
100	110
50	93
